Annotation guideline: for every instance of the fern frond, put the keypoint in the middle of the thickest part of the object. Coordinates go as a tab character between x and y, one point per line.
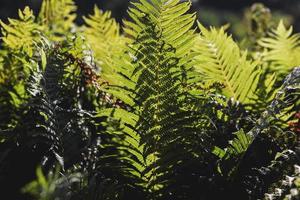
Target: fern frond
220	59
242	142
160	16
57	17
281	49
42	114
168	20
237	146
103	35
21	35
153	70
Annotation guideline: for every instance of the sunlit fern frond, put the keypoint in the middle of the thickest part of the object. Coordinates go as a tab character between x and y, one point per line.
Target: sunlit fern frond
21	34
282	49
57	17
220	59
170	22
102	33
158	17
152	74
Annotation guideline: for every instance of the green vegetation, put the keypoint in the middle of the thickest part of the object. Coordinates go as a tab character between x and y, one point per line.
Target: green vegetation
159	107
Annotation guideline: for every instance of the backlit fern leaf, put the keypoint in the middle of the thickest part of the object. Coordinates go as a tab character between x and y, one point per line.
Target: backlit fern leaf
220	59
281	49
21	35
168	21
103	35
19	39
152	72
57	17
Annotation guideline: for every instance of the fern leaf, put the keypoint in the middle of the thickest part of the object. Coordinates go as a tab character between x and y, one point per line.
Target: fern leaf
41	119
152	68
103	35
21	35
237	146
242	142
281	49
57	16
220	59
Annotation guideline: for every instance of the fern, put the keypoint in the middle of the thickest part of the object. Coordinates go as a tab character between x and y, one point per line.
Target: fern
53	125
151	110
12	89
103	35
21	35
240	145
281	49
57	17
42	114
158	113
19	39
220	59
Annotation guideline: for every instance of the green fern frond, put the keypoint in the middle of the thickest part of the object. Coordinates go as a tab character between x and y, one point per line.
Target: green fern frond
241	143
168	20
52	119
159	17
218	58
103	35
237	146
129	144
151	75
21	35
57	17
282	49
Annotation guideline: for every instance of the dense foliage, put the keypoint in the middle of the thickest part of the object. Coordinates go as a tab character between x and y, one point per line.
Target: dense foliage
158	108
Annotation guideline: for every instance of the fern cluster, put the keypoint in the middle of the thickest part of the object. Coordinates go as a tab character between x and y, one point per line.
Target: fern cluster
159	107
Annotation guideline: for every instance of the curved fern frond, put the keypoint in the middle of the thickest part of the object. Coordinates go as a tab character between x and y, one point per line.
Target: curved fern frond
103	35
282	49
219	59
